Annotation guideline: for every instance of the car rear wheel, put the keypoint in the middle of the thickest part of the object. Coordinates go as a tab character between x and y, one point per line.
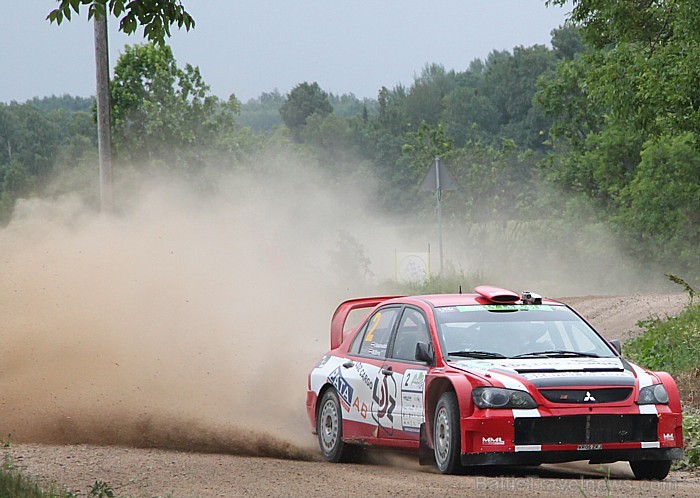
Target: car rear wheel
446	434
329	426
651	469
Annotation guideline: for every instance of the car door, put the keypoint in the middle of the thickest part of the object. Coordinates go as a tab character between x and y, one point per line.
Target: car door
369	402
408	375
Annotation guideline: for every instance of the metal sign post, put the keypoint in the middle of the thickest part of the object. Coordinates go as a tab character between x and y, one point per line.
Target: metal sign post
438	179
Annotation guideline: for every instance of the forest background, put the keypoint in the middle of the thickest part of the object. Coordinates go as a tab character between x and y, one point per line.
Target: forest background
600	130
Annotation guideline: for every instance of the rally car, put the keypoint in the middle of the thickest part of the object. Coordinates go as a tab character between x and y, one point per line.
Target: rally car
489	378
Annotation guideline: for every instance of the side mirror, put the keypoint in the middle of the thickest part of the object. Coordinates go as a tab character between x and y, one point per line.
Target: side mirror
424	352
616	344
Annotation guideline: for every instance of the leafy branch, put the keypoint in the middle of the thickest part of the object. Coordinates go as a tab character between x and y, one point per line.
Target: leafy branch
156	16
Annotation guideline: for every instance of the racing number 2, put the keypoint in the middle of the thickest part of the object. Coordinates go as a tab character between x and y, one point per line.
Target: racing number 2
375	323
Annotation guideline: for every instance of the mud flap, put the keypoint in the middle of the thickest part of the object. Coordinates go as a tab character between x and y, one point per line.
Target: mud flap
426	455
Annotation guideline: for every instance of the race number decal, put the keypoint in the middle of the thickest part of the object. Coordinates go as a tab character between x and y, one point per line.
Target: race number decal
412	400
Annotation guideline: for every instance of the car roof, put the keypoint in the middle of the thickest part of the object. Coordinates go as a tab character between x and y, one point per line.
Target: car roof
439	300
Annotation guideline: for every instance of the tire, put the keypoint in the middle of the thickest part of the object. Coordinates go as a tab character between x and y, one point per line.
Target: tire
649	470
446	435
329	426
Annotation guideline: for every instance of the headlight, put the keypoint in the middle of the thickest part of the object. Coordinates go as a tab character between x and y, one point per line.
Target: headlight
497	397
653	395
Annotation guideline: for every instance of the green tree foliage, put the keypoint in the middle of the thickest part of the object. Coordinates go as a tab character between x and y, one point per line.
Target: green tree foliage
32	135
661	204
17	181
262	113
626	114
162	113
643	62
155	16
64	102
305	99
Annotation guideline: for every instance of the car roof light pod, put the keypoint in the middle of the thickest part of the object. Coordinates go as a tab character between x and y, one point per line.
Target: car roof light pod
531	298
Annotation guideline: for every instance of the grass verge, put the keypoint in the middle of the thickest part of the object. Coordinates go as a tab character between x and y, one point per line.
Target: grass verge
673	345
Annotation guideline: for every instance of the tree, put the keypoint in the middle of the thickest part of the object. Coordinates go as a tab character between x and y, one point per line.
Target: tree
644	61
661	204
161	112
156	16
304	100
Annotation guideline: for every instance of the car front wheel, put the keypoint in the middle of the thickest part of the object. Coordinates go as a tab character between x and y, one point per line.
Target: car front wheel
329	426
446	434
651	469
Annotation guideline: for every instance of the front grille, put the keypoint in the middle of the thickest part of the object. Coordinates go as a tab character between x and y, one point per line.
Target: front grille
583	429
587	396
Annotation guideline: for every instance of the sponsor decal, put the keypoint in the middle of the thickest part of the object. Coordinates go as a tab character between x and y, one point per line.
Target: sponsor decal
363	375
498	441
505	307
384	401
547	375
585	447
361	407
669	436
342	386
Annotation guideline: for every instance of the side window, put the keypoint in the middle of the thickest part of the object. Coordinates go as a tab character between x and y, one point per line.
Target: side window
357	341
378	332
412	329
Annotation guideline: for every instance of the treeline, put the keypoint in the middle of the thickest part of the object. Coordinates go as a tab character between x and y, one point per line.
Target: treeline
563	135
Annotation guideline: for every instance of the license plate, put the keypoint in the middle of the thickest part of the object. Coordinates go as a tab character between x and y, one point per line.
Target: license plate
589	447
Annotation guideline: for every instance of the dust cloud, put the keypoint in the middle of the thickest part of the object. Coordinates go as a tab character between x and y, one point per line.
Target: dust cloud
187	320
190	318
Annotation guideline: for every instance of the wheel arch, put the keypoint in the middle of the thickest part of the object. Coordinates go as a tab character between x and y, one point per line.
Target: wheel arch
435	388
321	393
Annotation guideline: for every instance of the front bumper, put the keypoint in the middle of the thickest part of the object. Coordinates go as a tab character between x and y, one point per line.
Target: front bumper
558	456
596	434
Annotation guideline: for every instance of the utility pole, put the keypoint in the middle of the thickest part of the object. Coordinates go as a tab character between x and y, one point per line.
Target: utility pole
104	122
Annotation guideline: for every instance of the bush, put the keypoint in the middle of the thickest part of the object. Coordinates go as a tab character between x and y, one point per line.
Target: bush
671	345
691	434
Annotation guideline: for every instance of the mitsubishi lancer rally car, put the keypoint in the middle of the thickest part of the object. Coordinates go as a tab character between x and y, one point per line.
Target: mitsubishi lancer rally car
489	378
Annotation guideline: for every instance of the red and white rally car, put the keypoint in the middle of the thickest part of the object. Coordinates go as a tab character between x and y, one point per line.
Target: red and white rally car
489	378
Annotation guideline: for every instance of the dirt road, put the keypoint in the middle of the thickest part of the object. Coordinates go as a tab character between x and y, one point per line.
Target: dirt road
161	472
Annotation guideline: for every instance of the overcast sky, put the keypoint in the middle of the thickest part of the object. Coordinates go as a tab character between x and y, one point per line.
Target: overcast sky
247	47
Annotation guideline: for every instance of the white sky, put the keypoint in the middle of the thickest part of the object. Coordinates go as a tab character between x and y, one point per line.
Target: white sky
248	47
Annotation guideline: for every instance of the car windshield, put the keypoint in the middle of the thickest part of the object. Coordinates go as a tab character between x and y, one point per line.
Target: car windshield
522	331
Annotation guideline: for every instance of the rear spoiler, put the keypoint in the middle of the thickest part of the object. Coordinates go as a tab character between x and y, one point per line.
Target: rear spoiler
342	312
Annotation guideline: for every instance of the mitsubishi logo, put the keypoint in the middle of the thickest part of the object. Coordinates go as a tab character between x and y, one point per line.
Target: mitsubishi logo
588	397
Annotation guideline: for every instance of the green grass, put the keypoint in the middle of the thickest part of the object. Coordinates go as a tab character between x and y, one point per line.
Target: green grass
14	485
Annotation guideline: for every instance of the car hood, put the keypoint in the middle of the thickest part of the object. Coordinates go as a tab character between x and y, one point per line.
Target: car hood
550	372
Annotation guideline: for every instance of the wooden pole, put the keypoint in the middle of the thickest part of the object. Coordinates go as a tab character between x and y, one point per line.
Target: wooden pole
104	126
